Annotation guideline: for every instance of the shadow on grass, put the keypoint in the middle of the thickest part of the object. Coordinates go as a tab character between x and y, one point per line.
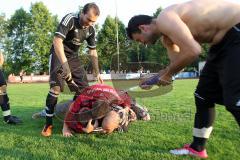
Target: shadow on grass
12	153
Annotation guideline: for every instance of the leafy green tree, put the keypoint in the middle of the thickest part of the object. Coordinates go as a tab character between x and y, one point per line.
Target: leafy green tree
107	40
3	37
153	57
3	28
17	47
157	12
43	25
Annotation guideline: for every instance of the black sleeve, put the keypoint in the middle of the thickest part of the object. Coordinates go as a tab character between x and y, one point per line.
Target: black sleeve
91	39
65	26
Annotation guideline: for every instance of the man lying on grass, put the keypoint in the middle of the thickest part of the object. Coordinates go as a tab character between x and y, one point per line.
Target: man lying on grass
98	108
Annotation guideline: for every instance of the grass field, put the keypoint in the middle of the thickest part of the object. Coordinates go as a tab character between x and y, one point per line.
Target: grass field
170	127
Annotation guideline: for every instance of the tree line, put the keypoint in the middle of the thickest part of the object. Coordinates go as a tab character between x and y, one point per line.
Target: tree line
26	39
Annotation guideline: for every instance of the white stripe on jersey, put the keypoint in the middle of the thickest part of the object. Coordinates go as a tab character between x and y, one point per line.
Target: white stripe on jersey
91	46
67	19
236	28
50	61
60	34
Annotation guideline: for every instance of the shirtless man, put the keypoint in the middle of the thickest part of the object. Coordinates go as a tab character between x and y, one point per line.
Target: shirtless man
182	28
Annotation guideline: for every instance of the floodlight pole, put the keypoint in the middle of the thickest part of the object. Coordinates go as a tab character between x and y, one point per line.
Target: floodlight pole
117	35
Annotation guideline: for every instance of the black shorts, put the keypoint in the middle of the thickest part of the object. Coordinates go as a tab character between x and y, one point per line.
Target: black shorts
2	79
77	70
220	78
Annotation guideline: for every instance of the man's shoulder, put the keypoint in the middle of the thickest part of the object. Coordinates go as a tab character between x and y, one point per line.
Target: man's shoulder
171	10
91	29
69	17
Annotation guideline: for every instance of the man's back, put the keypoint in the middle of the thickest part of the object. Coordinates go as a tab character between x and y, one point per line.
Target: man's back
207	20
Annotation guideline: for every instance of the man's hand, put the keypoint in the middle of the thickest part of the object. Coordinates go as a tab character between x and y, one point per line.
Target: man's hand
99	78
94	59
162	78
145	87
132	115
165	78
89	128
66	131
73	86
66	72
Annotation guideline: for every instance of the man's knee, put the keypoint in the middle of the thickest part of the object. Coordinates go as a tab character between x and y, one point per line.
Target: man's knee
3	89
110	122
202	102
56	90
51	100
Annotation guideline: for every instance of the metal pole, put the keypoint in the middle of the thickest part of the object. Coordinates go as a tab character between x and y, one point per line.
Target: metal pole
117	35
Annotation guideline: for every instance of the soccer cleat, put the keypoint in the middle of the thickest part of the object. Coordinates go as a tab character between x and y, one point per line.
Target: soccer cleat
187	150
47	131
13	120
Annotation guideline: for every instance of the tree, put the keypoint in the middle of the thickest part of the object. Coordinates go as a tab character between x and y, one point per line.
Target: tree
157	12
17	47
43	25
153	57
3	28
107	40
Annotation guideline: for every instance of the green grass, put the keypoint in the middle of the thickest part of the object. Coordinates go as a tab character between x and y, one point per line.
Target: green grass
170	127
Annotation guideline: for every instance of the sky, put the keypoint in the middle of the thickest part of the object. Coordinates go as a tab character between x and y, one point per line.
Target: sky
125	8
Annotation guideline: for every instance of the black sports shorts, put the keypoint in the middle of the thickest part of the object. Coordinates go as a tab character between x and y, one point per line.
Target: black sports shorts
77	70
220	78
2	79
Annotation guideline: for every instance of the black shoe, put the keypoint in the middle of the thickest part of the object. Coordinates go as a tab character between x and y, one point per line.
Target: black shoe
13	120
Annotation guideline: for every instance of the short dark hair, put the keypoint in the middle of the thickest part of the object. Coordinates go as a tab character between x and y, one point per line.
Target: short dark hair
135	22
89	6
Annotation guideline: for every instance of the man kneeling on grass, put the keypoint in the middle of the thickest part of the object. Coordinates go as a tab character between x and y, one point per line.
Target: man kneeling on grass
98	108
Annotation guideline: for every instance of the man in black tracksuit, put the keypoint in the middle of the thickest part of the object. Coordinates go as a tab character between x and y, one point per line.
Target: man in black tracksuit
64	62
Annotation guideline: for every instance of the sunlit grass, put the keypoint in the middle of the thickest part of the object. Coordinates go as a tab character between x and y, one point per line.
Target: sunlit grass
170	127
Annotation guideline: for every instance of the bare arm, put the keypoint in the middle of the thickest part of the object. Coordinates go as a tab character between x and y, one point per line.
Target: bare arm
66	131
172	49
180	35
89	128
59	49
94	59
